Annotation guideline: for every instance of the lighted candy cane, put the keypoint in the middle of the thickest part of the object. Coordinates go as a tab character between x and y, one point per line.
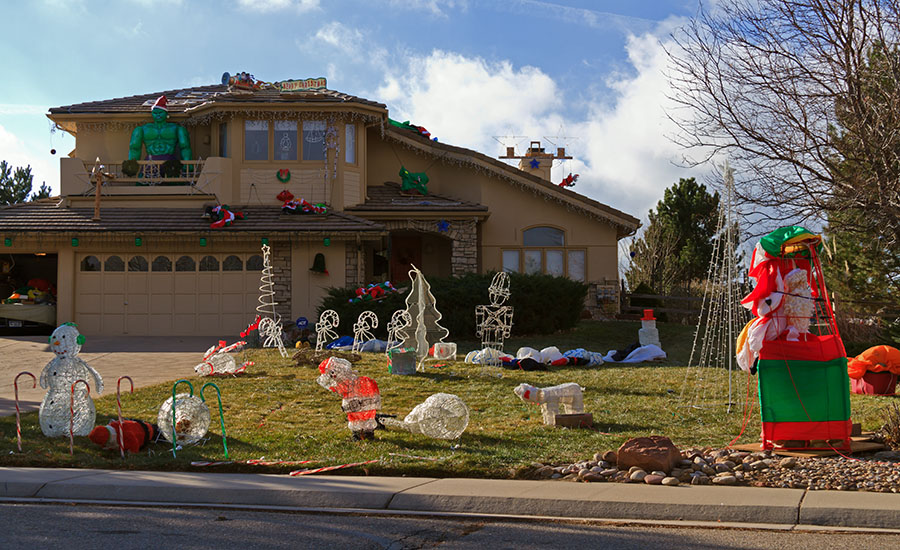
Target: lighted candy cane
174	401
72	414
16	391
221	416
330	468
119	408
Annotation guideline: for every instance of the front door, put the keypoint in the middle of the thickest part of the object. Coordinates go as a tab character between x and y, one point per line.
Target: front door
406	250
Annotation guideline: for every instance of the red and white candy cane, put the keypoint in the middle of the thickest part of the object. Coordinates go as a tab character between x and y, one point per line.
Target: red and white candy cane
119	408
330	468
16	391
72	414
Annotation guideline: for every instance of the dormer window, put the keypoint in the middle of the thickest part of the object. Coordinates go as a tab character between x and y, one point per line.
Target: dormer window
256	140
313	140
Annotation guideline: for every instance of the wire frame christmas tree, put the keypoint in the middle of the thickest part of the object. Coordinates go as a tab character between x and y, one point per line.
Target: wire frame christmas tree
424	329
270	325
710	383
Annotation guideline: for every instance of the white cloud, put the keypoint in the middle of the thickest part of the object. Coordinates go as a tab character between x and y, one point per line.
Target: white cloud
17	154
435	7
270	6
621	148
342	37
21	109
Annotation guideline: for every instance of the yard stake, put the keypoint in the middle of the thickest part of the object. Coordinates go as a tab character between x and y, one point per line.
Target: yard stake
16	391
221	416
119	408
174	433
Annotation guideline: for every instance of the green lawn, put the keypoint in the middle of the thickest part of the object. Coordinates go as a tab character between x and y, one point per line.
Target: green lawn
277	411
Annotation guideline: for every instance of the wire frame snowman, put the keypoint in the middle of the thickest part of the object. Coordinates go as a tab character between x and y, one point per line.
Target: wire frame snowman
494	322
399	321
328	321
362	330
62	404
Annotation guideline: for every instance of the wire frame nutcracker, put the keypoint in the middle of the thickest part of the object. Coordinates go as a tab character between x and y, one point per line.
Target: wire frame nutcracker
494	322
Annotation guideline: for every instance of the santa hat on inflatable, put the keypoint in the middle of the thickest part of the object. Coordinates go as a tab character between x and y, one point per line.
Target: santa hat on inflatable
136	434
161	103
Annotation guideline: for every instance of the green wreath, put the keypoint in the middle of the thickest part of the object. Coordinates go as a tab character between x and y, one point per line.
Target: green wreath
130	167
171	168
283	175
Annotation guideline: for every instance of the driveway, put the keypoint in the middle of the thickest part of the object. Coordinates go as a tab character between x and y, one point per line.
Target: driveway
148	360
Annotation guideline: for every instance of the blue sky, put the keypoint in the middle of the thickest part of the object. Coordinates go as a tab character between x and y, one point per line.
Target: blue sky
587	75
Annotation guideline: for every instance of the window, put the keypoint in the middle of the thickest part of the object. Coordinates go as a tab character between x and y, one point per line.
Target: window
137	263
313	140
114	263
511	261
232	263
162	263
255	263
209	263
350	143
544	251
90	263
285	140
223	141
543	236
185	263
576	265
256	140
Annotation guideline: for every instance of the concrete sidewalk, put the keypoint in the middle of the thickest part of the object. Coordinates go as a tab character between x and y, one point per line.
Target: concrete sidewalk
613	501
147	360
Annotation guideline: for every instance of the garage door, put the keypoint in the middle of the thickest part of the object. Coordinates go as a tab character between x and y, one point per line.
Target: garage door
166	294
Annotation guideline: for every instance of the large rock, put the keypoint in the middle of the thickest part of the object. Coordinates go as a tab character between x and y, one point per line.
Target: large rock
649	453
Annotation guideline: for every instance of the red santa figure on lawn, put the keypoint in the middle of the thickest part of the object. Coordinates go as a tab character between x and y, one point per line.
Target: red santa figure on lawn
361	398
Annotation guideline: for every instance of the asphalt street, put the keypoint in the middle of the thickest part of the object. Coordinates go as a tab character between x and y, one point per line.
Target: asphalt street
83	527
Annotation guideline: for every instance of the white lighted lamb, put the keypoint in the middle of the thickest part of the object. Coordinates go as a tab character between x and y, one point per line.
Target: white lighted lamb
567	396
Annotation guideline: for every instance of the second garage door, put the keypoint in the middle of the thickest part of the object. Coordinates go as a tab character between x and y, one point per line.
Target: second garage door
166	294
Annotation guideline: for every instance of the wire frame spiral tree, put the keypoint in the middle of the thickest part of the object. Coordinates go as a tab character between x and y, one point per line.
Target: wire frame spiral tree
711	378
270	325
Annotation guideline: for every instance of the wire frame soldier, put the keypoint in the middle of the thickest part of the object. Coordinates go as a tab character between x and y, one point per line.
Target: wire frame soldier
494	323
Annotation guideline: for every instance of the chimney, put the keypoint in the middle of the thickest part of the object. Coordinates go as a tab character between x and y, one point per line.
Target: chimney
536	161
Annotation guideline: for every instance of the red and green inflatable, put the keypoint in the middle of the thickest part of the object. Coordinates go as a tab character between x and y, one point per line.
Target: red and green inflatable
804	390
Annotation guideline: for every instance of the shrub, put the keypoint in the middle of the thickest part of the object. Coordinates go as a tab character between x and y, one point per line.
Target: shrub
543	304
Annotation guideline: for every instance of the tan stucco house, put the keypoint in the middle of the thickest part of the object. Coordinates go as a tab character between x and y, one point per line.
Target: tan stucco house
152	265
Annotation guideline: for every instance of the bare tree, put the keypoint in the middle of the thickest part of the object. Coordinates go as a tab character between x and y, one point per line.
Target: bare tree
804	98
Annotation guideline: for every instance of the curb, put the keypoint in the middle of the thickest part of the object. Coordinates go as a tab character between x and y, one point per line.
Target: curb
511	499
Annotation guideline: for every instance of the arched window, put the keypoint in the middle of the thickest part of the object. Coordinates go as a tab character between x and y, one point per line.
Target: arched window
544	251
185	263
114	263
544	236
232	263
137	263
162	263
255	263
90	263
209	263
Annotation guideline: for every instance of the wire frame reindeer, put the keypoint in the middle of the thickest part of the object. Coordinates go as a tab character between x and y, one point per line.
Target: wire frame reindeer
328	321
362	329
399	321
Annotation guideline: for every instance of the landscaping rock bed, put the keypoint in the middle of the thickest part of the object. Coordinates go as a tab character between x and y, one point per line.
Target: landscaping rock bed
876	473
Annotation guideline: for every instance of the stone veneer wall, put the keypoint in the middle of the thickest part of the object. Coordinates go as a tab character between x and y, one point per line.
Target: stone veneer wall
463	234
352	258
280	256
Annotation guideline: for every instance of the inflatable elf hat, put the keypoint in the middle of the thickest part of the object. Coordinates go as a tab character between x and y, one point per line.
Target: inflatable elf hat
790	242
319	264
161	103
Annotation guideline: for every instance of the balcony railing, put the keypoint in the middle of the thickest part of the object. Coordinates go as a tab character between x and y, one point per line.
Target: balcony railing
150	173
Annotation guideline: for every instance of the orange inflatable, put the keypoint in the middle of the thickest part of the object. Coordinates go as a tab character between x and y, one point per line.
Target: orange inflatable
874	359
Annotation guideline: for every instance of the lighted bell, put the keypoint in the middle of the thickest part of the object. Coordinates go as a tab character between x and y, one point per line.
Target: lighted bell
138	241
7	241
74	241
202	241
326	241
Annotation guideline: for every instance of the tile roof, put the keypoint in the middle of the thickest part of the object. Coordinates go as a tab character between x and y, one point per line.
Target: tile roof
389	197
626	222
181	100
51	217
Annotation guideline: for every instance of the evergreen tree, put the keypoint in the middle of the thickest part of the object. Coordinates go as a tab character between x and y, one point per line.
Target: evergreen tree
43	193
15	185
